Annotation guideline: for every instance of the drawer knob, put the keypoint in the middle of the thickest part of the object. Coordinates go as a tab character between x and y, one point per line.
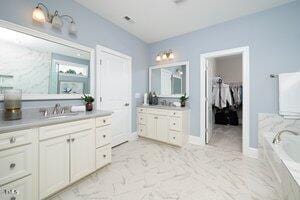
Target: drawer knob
104	136
174	113
13	198
174	124
12	140
104	121
104	156
68	140
12	165
73	139
174	138
141	118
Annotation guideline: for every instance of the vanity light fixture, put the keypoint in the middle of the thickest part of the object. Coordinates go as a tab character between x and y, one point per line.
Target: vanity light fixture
166	55
41	14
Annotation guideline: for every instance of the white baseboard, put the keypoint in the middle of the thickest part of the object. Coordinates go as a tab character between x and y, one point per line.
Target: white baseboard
251	152
195	140
133	136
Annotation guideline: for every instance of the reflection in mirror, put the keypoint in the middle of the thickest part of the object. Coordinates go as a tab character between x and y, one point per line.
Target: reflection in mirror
169	81
39	66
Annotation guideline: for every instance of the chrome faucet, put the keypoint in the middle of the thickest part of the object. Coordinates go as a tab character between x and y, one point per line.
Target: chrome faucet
277	137
56	109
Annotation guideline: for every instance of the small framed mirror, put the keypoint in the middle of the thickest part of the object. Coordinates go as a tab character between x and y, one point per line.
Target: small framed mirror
43	66
171	80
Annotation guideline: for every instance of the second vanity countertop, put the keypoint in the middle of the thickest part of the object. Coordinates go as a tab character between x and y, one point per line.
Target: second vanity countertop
164	107
33	119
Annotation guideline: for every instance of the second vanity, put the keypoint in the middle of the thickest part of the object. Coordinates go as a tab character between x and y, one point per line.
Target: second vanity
164	123
40	157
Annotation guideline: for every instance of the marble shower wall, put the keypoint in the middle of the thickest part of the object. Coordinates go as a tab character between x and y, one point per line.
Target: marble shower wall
29	68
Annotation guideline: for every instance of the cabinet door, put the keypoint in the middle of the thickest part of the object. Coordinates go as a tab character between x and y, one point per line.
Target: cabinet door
54	165
162	128
83	154
151	126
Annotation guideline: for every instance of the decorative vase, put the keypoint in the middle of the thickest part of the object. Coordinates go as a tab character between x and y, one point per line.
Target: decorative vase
183	104
89	106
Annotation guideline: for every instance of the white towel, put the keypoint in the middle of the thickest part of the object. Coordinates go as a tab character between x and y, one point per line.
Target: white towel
77	108
289	94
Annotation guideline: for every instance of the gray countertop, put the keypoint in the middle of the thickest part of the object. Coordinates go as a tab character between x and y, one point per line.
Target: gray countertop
32	118
164	107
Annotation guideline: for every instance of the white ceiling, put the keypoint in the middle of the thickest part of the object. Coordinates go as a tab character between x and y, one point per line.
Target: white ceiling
155	20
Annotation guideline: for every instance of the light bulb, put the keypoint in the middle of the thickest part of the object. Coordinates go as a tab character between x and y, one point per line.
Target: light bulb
38	15
171	56
57	22
158	58
72	28
164	57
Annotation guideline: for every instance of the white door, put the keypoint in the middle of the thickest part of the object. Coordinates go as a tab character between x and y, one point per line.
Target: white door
162	128
82	154
54	165
209	111
114	89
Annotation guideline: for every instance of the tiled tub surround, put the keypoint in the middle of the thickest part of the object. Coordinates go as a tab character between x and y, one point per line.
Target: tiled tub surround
40	156
283	157
149	170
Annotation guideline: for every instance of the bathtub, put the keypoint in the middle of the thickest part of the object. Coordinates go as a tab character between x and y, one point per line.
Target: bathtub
284	159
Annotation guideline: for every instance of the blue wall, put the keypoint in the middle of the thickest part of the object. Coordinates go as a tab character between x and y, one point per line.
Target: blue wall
92	30
274	40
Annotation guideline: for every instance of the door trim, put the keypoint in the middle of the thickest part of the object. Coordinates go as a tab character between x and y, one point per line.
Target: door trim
246	92
100	49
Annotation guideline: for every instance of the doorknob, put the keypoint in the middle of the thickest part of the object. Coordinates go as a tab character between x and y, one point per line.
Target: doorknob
126	104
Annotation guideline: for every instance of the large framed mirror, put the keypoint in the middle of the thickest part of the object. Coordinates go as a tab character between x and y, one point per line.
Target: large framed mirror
171	80
43	66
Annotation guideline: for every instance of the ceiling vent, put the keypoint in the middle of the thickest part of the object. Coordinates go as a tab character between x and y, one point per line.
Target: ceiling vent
178	1
128	19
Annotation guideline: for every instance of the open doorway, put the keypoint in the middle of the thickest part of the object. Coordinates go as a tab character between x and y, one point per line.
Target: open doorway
225	99
224	89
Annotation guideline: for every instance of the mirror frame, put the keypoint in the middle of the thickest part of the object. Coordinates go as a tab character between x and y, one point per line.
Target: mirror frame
186	63
58	40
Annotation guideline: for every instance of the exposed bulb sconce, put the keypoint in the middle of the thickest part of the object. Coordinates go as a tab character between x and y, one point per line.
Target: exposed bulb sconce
166	55
41	14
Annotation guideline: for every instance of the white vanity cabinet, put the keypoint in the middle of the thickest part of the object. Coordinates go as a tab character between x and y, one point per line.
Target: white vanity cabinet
67	153
165	125
18	164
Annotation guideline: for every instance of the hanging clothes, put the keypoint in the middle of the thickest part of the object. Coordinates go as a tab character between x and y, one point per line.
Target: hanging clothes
221	95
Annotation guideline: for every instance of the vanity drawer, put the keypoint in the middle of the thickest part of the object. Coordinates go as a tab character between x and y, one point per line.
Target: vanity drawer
16	138
175	113
142	118
15	163
142	130
103	156
175	123
158	111
103	121
142	110
103	136
23	188
56	130
175	138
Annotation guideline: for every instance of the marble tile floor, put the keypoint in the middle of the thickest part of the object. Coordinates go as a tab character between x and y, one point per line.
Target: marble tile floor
148	170
227	137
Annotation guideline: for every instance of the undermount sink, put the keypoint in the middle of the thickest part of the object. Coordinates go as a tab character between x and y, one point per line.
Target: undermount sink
61	115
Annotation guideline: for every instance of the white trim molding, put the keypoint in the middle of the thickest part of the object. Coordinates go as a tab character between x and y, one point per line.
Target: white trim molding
251	152
246	92
195	140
